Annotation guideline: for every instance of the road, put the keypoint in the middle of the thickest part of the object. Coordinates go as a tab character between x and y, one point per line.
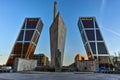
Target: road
58	76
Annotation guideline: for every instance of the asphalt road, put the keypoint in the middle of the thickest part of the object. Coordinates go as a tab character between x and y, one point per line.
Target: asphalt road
58	76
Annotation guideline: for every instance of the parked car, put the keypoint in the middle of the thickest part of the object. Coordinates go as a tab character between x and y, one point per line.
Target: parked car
6	69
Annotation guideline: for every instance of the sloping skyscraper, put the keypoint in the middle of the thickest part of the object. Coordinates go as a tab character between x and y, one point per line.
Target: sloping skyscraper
27	40
93	41
57	40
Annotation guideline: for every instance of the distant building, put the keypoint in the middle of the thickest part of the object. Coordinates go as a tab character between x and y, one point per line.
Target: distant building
116	61
57	40
27	39
93	41
42	60
82	65
78	57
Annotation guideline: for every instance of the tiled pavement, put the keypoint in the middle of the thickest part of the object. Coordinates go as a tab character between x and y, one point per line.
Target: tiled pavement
58	76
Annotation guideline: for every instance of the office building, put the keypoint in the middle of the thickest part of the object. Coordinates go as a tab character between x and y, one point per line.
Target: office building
26	41
42	60
93	41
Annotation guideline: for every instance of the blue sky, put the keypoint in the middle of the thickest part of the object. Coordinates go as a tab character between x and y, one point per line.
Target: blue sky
13	13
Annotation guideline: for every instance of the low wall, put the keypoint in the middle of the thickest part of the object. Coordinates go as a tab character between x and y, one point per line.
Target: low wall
86	65
25	64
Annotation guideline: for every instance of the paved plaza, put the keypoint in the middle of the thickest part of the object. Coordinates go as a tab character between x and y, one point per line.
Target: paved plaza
58	76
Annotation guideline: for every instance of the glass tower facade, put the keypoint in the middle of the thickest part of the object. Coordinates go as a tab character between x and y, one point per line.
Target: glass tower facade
93	41
27	39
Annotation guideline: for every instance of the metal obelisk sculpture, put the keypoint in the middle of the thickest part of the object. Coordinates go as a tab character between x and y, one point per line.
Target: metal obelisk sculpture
57	40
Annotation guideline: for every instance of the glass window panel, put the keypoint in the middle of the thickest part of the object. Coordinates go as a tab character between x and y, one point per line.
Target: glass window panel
31	51
25	48
88	23
101	48
28	35
96	24
20	37
95	57
40	26
99	37
37	40
17	48
87	48
23	27
35	37
92	45
90	35
103	59
89	54
31	23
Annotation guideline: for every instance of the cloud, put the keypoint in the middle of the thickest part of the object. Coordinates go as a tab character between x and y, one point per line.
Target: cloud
113	32
102	9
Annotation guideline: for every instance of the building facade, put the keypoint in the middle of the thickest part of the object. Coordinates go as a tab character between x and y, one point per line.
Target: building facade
27	40
81	64
42	60
93	41
86	65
